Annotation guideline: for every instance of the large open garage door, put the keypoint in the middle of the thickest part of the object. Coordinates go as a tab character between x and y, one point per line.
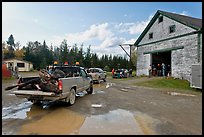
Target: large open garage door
157	59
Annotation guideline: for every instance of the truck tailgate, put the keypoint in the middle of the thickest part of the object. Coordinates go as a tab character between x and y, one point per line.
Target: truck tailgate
33	92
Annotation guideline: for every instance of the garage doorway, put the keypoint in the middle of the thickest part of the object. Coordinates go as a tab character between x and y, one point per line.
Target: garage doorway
157	59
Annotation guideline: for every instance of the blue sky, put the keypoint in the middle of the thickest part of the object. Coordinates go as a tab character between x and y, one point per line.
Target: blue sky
103	25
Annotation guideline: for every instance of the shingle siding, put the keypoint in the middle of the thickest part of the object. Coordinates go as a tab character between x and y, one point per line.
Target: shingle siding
183	59
201	48
161	30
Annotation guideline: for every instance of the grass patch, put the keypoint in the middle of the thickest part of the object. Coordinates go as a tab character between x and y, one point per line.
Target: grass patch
170	83
6	79
109	74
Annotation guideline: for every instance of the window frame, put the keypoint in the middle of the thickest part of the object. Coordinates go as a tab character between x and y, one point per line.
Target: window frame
20	64
172	28
160	19
151	34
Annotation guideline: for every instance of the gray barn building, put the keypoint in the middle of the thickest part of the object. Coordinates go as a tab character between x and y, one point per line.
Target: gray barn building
173	39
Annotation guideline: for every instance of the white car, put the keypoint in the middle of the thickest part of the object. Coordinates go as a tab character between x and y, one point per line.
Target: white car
97	74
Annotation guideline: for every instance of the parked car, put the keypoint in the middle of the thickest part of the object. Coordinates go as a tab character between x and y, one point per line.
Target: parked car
97	74
121	73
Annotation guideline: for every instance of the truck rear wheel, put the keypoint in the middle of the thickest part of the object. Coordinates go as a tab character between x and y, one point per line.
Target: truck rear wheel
71	99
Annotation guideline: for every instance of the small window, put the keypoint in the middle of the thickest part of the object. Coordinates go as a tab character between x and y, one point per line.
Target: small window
150	35
21	65
160	19
172	29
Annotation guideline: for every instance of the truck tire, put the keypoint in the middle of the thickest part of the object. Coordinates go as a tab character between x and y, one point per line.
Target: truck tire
90	90
71	99
104	79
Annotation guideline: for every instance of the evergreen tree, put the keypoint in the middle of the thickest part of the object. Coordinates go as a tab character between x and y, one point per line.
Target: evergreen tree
87	60
11	40
10	47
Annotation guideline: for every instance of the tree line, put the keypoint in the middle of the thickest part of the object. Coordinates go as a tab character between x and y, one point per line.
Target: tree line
41	55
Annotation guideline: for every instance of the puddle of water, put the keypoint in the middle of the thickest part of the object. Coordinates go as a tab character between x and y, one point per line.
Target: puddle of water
18	115
98	91
125	90
81	94
146	123
16	112
6	108
116	122
108	85
96	105
63	121
57	122
127	87
36	111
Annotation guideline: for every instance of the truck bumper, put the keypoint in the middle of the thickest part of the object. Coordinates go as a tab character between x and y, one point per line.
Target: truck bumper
38	95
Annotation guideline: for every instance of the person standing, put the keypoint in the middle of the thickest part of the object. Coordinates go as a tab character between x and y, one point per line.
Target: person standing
16	72
113	72
150	70
159	69
130	72
168	70
163	69
154	70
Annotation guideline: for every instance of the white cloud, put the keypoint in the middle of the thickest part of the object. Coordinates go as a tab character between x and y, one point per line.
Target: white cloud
36	20
100	32
95	32
133	28
104	38
138	27
130	41
184	13
56	40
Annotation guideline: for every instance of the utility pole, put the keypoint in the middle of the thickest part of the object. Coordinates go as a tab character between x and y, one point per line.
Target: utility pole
130	55
125	51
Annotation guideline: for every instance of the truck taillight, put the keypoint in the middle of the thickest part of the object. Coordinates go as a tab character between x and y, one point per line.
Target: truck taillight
60	84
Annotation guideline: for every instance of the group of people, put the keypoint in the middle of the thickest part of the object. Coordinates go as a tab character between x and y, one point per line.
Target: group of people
121	73
159	70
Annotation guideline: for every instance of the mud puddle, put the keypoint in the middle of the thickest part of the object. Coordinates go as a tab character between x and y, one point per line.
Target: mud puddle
59	120
118	122
16	111
98	91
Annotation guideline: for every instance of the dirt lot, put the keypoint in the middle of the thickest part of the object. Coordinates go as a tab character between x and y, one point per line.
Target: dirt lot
116	107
